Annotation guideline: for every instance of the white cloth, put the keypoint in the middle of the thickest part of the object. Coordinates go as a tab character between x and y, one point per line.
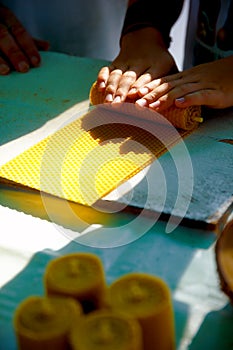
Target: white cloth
89	28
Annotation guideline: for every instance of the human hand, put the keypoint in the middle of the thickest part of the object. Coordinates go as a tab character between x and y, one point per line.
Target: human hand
17	49
142	58
208	84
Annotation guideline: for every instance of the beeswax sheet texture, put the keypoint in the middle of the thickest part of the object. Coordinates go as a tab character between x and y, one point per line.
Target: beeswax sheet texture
90	157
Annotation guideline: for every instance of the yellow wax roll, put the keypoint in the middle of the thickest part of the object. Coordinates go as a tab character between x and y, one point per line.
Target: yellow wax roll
181	118
106	330
146	298
78	275
43	323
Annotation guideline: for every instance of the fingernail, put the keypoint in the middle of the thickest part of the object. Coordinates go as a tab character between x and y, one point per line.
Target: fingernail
4	69
23	66
109	98
155	104
132	91
142	102
117	99
144	90
35	61
180	99
102	85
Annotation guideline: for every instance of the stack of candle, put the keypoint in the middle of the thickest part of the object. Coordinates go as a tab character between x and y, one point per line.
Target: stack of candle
80	312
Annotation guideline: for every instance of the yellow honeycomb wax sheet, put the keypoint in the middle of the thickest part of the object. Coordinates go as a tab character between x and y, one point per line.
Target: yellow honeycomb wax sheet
88	158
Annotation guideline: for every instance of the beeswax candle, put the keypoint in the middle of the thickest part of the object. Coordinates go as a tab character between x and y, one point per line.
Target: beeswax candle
43	323
147	298
106	330
78	275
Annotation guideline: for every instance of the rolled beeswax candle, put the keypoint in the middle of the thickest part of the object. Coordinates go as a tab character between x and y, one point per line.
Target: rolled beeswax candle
78	275
147	299
43	323
182	118
106	330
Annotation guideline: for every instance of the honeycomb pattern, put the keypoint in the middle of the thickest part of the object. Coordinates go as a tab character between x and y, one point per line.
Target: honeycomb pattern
90	157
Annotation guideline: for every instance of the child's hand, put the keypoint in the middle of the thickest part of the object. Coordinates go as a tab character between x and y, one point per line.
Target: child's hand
208	84
142	58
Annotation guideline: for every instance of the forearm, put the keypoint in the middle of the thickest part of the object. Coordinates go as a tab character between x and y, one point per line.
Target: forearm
160	15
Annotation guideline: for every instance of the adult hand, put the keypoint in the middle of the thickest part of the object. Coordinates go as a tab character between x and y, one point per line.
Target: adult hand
17	49
208	84
142	58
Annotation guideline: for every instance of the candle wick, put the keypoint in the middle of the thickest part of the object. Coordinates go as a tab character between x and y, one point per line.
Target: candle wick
46	311
105	334
137	293
74	268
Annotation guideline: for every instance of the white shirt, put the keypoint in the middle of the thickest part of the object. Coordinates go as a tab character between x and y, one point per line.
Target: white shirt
89	28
